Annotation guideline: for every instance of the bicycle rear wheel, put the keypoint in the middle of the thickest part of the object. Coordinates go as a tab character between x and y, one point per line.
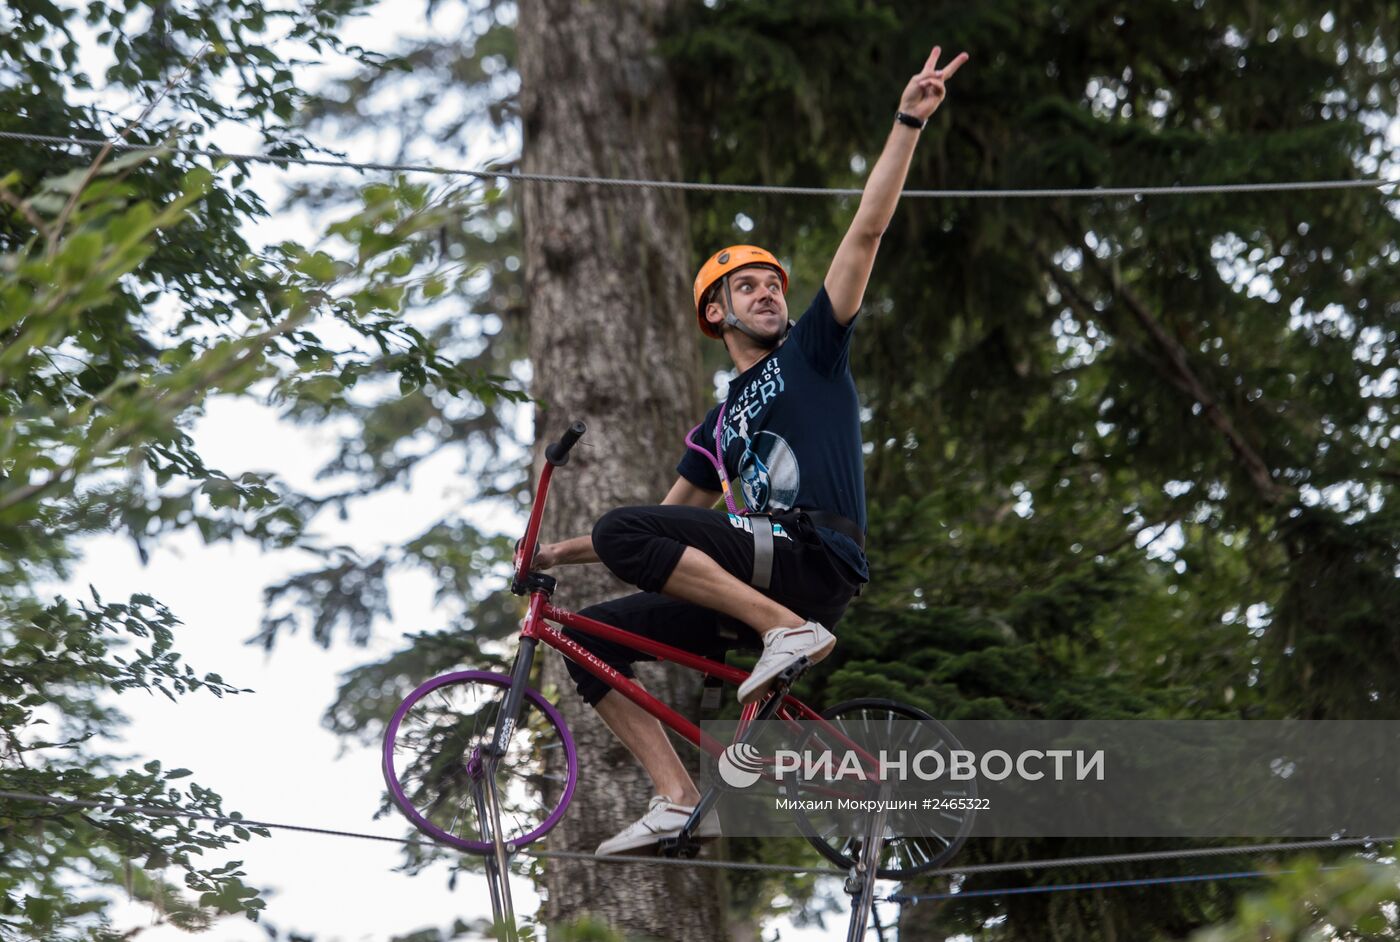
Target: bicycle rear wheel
437	759
901	856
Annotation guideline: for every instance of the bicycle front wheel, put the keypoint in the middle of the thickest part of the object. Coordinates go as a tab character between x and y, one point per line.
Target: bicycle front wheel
437	761
901	856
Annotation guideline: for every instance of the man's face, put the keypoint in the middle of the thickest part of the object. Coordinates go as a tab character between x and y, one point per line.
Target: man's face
758	301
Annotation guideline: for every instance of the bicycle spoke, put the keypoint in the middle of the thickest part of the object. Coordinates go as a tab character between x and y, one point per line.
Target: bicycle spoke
900	851
443	729
911	732
877	724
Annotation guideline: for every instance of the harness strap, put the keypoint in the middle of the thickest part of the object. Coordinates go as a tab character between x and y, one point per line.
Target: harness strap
762	551
840	524
716	459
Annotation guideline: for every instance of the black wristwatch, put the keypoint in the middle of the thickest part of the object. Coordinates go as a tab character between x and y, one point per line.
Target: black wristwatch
909	121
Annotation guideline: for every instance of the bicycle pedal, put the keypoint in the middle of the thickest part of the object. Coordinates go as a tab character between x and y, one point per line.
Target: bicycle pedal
790	673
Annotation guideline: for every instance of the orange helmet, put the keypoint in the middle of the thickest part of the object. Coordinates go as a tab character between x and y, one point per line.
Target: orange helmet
722	263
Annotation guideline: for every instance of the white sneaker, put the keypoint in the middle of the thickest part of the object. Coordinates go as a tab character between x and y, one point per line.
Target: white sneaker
781	647
664	818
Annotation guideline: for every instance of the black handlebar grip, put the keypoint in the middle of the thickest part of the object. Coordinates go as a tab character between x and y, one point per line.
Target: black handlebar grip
557	454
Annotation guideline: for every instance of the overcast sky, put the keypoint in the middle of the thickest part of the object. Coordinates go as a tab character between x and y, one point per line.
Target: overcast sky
266	752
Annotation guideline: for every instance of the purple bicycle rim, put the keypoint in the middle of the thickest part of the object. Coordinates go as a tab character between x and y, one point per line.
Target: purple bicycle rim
426	826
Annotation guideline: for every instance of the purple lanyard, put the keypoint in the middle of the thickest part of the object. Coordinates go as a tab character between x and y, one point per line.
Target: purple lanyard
716	459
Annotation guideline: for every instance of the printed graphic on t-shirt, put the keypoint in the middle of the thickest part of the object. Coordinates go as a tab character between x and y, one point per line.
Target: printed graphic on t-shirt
768	470
768	473
762	390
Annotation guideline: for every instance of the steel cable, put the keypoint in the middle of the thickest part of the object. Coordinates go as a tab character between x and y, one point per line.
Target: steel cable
117	807
912	899
1039	193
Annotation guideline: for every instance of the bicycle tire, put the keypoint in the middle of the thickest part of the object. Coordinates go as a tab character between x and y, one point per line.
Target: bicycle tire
433	759
902	856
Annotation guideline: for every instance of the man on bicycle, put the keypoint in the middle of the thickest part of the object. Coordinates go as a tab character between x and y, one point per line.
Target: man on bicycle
789	434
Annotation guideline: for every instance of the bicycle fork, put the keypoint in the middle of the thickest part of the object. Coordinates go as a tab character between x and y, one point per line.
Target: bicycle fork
497	865
860	882
487	799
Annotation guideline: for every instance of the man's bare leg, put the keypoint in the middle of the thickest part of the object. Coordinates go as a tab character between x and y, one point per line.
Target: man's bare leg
643	734
698	578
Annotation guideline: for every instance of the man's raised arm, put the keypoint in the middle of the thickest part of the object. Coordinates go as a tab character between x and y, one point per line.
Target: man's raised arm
855	257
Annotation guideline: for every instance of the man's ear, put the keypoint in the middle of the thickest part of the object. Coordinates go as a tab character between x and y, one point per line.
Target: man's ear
714	314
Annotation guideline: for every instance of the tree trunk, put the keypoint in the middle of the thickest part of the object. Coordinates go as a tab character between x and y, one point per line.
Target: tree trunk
608	274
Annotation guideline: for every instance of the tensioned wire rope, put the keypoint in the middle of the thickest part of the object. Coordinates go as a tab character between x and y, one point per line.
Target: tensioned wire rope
1041	193
914	899
117	807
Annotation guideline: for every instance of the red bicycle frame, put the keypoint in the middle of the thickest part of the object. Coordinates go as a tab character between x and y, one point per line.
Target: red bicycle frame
535	628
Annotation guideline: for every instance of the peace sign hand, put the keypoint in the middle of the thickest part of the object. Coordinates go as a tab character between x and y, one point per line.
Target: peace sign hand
925	91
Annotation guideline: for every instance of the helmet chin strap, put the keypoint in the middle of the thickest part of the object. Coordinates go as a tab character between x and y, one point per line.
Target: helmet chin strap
730	320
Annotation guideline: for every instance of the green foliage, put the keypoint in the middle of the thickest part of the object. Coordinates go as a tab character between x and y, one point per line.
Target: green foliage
1310	902
1130	457
56	661
66	437
478	318
1032	367
127	301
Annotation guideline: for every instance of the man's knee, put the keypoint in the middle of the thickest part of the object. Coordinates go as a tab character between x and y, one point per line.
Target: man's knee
614	535
635	547
590	687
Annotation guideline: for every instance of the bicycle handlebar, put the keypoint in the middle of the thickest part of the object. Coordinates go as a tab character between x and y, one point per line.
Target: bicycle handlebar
557	454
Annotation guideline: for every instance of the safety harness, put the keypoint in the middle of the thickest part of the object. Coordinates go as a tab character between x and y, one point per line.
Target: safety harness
761	524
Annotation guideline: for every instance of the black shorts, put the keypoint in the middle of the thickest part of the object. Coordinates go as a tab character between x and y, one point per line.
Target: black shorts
642	545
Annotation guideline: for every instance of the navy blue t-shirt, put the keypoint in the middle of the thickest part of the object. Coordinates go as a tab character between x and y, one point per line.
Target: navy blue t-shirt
792	431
